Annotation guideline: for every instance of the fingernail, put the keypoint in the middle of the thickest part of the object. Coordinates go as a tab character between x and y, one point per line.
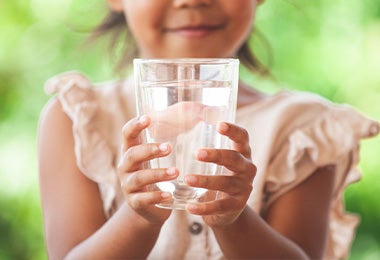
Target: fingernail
223	127
191	179
165	195
171	171
191	207
202	154
143	119
164	147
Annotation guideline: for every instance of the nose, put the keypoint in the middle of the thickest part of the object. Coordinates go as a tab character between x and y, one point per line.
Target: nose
192	3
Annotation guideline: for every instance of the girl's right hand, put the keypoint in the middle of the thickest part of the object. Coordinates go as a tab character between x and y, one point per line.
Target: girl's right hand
135	180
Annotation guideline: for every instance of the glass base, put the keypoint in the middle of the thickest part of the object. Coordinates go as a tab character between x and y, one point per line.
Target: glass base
185	195
175	204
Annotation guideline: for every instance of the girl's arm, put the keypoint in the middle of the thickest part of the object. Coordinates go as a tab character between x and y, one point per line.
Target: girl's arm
75	225
295	226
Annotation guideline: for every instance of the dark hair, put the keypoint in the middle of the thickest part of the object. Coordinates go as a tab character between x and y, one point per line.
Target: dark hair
114	25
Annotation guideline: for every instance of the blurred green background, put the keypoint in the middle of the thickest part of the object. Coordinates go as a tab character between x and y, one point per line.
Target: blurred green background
328	47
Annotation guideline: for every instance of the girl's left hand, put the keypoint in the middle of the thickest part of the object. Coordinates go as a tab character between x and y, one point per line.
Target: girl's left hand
234	189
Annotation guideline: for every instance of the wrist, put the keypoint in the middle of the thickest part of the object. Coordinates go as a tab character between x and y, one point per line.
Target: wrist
140	222
234	224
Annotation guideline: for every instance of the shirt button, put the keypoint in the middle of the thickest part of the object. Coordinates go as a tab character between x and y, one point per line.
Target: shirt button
195	228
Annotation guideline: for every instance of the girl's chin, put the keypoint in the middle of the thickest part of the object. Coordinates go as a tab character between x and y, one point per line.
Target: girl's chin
191	54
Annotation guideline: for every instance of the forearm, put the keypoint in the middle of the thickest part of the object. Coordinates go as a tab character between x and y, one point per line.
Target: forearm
125	235
251	237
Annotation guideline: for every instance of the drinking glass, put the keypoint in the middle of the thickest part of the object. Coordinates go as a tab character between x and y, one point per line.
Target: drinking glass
185	99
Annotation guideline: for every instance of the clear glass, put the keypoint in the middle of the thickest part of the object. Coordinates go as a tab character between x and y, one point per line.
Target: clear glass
185	99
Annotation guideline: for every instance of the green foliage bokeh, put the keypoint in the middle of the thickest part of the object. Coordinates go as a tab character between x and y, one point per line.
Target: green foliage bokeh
328	47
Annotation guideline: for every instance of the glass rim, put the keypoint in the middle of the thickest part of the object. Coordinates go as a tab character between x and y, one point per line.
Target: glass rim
185	60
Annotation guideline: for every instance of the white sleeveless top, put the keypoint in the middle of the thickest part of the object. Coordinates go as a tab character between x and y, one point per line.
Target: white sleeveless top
292	134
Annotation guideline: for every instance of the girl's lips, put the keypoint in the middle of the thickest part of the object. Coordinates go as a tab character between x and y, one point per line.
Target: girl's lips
194	32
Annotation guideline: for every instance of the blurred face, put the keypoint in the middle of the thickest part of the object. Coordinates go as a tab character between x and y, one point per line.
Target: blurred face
189	28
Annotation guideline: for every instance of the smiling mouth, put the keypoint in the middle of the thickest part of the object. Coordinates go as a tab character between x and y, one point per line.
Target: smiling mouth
194	31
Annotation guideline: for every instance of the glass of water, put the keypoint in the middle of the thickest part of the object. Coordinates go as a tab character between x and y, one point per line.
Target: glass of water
185	99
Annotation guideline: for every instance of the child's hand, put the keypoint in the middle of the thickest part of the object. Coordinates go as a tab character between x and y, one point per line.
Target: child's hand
235	188
176	119
135	180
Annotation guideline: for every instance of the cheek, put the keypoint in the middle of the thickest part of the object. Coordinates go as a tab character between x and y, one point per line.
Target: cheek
143	18
241	14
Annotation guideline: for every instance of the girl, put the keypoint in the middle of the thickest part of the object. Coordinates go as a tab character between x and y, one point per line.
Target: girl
283	200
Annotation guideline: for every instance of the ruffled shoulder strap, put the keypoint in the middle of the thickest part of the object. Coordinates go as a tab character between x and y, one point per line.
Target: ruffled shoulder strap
331	135
72	88
95	157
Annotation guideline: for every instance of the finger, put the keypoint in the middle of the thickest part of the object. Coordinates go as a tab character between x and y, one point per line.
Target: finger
238	135
137	181
133	158
232	160
132	130
216	207
140	201
231	185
